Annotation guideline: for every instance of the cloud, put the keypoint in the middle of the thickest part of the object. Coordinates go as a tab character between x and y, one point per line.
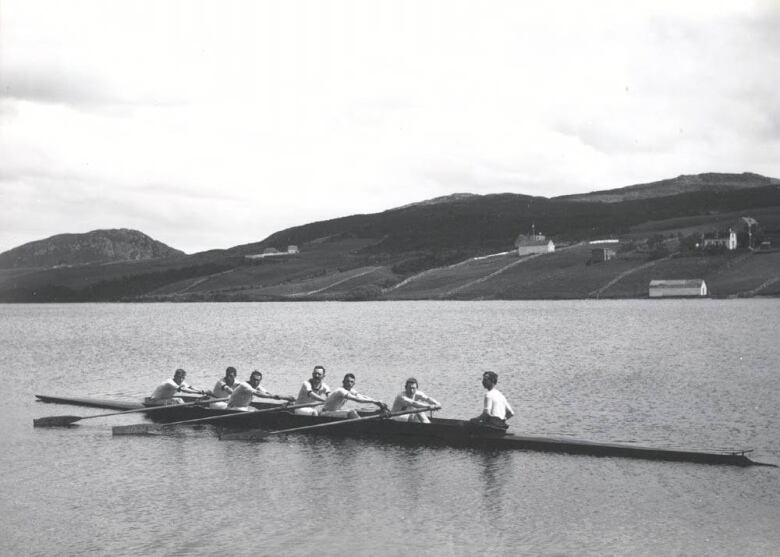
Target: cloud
211	124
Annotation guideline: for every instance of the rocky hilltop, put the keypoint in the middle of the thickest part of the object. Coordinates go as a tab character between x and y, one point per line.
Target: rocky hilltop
98	246
707	182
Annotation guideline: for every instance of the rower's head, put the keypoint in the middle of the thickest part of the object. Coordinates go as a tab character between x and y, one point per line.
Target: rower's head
349	381
411	386
255	378
489	379
230	375
178	376
318	374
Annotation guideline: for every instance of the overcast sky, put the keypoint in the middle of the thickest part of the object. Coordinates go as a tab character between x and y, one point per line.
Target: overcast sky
216	123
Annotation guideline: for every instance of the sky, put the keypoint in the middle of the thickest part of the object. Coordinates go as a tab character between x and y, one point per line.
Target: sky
209	124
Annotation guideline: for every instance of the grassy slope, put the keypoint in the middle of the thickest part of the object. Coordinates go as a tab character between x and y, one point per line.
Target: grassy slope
360	257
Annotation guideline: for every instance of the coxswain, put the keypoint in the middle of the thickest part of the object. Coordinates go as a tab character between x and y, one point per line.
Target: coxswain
496	410
241	399
224	388
412	399
166	393
335	402
312	391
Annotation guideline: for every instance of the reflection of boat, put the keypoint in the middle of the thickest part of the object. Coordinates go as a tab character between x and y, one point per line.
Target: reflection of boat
445	432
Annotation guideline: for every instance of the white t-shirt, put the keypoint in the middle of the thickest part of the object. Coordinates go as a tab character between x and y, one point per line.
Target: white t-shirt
306	388
169	389
337	399
242	395
402	402
220	389
496	404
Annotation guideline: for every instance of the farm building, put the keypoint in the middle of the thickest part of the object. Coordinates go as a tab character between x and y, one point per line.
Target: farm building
292	249
714	240
534	243
677	288
599	255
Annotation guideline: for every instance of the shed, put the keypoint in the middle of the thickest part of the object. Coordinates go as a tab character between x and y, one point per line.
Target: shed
677	288
599	255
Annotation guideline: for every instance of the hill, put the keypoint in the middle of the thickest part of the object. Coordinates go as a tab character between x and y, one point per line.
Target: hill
98	246
711	182
457	247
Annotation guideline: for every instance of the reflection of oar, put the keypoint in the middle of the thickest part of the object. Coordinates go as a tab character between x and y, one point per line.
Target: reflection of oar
257	434
60	421
143	429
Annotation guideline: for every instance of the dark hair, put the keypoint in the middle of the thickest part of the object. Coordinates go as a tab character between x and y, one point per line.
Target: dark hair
230	370
320	367
180	371
492	375
412	380
352	375
255	372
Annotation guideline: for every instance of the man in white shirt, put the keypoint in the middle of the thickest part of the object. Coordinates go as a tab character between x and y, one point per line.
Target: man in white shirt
335	402
241	399
166	393
496	409
224	388
411	399
313	390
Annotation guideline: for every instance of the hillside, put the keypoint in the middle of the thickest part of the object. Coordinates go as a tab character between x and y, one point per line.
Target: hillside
98	246
458	247
710	182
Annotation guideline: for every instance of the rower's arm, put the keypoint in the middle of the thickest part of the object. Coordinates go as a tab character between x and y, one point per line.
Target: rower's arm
266	394
363	398
422	403
315	396
191	390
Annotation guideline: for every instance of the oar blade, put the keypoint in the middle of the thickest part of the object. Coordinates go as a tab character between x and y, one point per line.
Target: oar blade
136	429
55	421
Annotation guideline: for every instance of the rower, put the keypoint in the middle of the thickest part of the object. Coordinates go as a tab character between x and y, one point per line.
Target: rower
241	399
165	394
312	391
496	410
335	402
410	399
224	388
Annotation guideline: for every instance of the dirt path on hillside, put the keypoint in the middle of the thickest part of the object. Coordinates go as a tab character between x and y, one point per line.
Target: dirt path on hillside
312	292
599	291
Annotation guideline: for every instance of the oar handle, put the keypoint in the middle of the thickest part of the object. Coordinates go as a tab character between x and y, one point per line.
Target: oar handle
244	413
138	429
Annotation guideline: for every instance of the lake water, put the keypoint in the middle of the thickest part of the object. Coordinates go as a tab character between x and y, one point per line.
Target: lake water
693	373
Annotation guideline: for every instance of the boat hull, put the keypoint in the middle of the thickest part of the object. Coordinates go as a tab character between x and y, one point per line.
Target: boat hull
461	433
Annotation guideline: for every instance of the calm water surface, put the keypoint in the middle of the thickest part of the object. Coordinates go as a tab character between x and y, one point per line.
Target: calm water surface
698	373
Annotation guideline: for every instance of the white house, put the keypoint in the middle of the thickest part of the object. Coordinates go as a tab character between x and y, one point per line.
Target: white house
678	288
534	243
729	242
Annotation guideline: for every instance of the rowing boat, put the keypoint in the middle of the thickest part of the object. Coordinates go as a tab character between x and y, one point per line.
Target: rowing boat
462	433
172	413
440	432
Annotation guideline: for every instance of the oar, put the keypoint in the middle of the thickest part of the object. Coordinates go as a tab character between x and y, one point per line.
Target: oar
60	421
144	429
257	434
